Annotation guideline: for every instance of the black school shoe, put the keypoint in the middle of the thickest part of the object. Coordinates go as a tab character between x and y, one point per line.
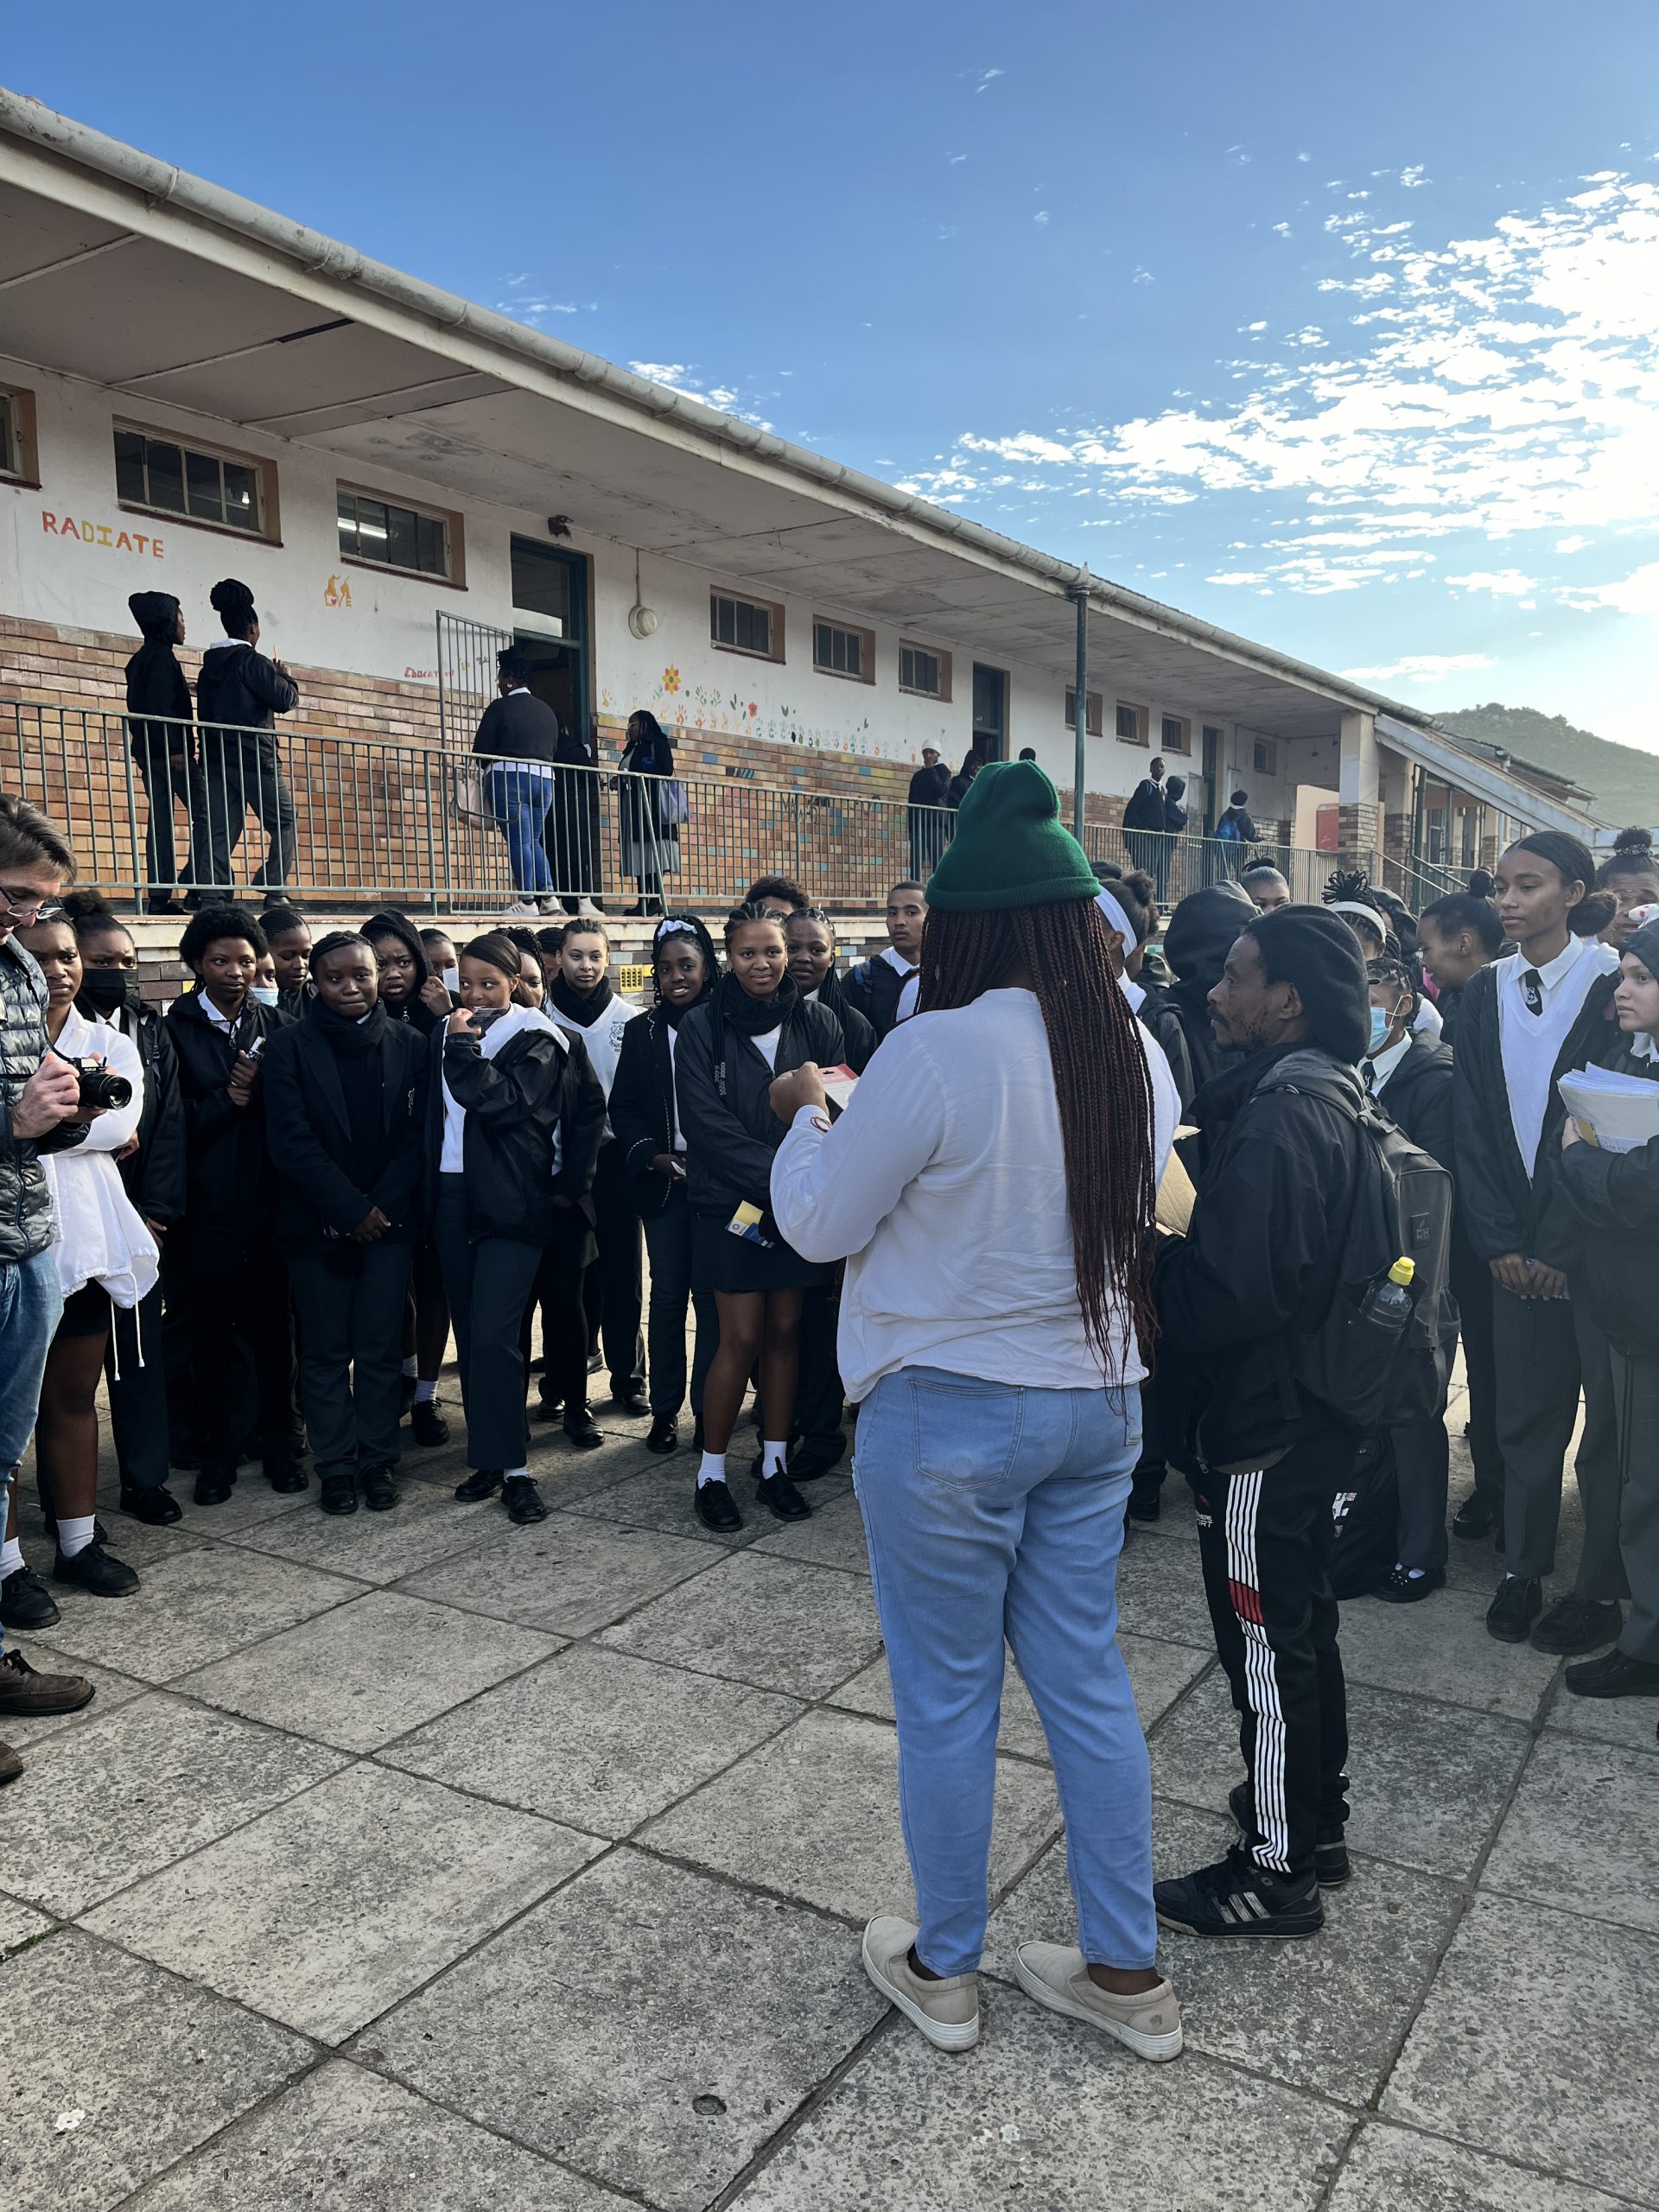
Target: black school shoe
26	1603
214	1485
1574	1624
547	1410
426	1424
665	1433
810	1465
631	1401
523	1500
1476	1516
781	1498
1616	1674
1332	1867
1400	1587
484	1483
1513	1610
285	1478
158	1507
338	1494
583	1431
92	1570
1236	1898
716	1507
380	1492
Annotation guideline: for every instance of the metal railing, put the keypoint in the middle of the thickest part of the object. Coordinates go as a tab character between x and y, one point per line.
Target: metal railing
153	809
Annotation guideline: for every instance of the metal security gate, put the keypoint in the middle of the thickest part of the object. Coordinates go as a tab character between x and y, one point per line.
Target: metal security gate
467	675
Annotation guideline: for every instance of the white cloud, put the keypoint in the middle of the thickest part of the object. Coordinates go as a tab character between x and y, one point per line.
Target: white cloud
1502	583
1144	277
1420	668
1282	229
1304	157
989	77
1573	545
1041	216
678	376
1637	594
950	160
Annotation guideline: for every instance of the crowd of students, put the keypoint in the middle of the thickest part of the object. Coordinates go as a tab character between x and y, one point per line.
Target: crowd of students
328	1157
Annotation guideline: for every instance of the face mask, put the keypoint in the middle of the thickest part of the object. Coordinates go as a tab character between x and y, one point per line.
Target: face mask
264	994
105	990
450	978
1382	1022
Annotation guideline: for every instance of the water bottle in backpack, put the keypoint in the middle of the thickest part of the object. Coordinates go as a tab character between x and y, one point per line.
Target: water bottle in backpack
1387	1305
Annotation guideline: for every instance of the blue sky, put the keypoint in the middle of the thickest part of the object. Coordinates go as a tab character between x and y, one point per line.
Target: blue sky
1339	327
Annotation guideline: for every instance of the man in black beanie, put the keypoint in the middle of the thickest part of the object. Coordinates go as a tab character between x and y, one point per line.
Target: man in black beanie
1238	1296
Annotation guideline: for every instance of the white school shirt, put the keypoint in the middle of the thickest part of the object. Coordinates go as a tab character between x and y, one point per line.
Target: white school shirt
674	1091
1379	1069
1530	1043
767	1046
912	988
944	1187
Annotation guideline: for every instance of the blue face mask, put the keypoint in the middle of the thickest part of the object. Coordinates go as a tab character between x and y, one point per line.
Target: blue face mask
264	994
1382	1022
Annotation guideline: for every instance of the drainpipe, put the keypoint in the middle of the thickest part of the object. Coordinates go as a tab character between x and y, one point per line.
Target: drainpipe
1080	718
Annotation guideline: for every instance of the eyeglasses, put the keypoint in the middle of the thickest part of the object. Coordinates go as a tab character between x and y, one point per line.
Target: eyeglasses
28	906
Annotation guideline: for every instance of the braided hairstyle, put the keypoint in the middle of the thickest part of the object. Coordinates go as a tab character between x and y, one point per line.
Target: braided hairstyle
1102	1086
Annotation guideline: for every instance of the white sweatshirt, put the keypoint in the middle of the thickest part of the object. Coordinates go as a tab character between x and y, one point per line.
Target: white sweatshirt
943	1186
98	1235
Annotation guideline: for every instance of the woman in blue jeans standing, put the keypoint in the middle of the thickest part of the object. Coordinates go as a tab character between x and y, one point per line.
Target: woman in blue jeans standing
518	740
992	1187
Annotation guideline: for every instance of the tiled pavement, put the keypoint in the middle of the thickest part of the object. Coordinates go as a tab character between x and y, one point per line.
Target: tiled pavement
415	1860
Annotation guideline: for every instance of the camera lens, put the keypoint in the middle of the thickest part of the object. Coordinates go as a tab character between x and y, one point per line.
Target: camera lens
99	1090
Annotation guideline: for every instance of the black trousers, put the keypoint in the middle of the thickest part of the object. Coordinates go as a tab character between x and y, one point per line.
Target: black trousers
668	1240
561	1273
1265	1538
488	1285
618	1270
819	1397
1422	1460
240	775
138	1394
165	777
1473	1289
249	1304
1543	1357
350	1356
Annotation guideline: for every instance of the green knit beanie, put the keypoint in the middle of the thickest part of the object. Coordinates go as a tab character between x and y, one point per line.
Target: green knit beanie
1011	848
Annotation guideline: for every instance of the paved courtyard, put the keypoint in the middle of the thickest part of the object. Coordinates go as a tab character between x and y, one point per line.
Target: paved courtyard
414	1859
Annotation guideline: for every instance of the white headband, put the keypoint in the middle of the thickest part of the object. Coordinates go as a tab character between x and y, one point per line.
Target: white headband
1116	918
1366	914
672	929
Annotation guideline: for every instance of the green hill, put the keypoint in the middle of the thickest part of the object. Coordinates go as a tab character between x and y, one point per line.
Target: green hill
1624	779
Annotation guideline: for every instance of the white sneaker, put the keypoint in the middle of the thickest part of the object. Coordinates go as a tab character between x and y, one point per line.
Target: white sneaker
522	906
1054	1975
587	911
947	2012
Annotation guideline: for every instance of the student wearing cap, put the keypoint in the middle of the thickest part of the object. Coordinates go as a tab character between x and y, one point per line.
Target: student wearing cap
1238	1296
991	1187
1603	1228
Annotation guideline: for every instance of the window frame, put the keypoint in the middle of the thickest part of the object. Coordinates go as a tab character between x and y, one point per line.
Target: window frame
1093	711
935	653
20	454
1143	735
1182	741
865	672
268	530
454	537
774	651
1264	753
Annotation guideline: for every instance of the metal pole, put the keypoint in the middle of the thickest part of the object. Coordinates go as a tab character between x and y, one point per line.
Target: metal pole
1080	717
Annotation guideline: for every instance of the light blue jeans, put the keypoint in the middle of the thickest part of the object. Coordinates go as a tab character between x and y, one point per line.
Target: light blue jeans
31	1301
994	1512
519	794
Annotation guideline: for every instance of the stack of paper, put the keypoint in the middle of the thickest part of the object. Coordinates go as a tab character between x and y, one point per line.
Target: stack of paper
1619	1113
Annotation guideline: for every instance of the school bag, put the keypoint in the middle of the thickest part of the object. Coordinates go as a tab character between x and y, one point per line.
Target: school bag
1372	1376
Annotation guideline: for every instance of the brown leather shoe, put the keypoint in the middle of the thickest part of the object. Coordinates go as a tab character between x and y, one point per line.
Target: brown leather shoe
10	1766
26	1695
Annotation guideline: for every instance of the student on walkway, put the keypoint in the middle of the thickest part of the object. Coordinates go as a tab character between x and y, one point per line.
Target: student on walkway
1525	1022
1239	1296
238	694
514	1123
991	1186
754	1026
162	727
345	1110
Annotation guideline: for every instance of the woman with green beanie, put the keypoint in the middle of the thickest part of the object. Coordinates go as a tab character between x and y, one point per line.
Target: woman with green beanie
991	1187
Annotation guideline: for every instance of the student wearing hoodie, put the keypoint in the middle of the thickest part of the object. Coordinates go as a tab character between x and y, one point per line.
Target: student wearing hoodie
163	737
238	694
231	1278
288	935
346	1112
1198	938
514	1118
1523	1024
1279	1162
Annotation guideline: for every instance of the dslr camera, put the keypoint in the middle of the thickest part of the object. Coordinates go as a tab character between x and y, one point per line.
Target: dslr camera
100	1090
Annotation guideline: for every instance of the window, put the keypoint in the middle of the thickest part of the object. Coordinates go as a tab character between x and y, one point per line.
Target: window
17	456
1177	733
746	625
991	688
922	669
1093	711
394	537
837	651
551	585
1131	724
1266	757
172	478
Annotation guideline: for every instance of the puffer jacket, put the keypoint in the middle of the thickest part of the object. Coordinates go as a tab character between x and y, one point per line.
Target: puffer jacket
25	1201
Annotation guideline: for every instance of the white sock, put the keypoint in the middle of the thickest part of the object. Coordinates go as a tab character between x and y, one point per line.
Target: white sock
11	1554
771	1458
409	1368
511	1474
425	1393
74	1535
712	1468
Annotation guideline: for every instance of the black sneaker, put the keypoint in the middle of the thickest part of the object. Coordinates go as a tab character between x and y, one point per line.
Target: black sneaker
1331	1866
338	1494
1616	1674
1476	1516
25	1601
1578	1625
426	1424
94	1571
156	1505
781	1498
665	1433
1236	1898
1400	1587
1513	1610
522	1499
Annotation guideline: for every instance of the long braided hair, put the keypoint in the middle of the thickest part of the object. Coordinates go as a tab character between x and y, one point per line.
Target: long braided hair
1102	1085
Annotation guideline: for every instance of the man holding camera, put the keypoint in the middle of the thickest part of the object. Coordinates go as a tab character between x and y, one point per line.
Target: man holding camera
40	1095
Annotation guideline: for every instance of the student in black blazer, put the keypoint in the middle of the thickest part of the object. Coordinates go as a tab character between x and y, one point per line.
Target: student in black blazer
514	1118
345	1113
646	1125
1524	1023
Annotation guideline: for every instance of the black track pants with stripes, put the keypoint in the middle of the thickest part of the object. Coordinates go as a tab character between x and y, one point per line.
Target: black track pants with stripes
1265	1538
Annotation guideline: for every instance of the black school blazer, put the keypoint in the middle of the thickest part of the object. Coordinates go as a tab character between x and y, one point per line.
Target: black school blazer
310	1137
540	1081
642	1107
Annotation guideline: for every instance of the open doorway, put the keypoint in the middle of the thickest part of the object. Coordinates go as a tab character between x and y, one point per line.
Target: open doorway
550	600
990	712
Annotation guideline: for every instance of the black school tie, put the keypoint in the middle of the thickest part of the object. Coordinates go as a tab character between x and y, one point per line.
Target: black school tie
1532	986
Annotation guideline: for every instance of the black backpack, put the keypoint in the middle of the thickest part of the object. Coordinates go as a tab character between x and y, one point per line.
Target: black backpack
1371	1377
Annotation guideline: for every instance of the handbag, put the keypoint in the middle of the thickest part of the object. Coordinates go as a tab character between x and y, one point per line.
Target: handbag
469	794
677	806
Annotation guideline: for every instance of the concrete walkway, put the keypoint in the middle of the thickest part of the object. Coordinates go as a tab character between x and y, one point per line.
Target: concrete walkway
416	1860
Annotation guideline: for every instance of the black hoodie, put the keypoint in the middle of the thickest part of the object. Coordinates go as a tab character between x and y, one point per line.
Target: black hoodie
155	682
390	923
1198	938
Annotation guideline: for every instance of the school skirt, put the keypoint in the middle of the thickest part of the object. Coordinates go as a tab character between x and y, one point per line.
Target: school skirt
722	1262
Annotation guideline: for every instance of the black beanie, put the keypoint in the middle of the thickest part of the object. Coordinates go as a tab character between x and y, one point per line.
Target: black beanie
1315	950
